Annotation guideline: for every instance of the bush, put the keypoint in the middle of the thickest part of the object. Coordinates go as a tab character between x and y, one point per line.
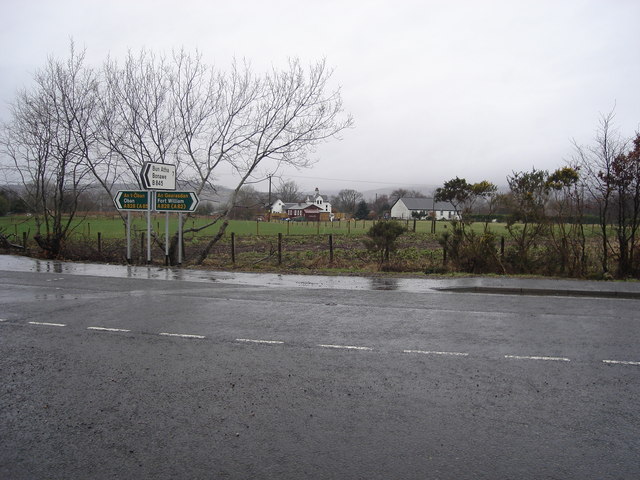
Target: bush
472	252
381	238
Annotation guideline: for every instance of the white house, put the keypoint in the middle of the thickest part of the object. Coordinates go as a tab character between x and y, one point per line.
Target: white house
278	206
316	199
405	207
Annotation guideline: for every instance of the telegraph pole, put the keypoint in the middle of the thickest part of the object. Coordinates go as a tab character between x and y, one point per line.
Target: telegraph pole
269	209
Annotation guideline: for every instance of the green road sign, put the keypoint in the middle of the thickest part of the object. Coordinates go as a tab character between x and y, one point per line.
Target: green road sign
133	200
176	201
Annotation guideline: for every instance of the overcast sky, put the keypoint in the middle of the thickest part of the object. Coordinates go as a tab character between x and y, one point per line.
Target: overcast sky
438	89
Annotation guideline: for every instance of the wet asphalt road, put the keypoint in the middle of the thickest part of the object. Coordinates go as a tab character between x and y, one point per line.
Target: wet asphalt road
125	377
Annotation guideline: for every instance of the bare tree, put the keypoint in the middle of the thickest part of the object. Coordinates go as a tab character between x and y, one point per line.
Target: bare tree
399	193
175	110
212	116
288	192
347	200
48	139
138	124
292	114
250	204
626	184
597	163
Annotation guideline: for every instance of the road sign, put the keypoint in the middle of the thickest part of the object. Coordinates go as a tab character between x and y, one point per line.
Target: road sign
176	201
158	176
132	200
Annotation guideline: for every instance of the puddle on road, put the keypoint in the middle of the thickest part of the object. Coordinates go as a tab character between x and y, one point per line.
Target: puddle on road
25	264
477	285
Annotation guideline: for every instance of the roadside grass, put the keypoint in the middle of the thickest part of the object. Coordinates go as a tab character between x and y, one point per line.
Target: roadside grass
305	246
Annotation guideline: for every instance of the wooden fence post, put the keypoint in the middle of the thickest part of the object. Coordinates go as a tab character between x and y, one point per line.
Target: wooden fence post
24	241
279	248
330	248
99	242
233	248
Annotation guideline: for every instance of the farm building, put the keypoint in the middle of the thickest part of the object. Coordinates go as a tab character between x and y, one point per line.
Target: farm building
311	212
410	207
313	208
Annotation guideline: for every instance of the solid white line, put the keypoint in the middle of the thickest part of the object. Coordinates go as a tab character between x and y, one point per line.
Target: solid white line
426	352
621	362
269	342
346	347
183	335
48	324
105	329
524	357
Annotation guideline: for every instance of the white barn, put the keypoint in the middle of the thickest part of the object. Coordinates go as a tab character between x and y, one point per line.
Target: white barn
405	207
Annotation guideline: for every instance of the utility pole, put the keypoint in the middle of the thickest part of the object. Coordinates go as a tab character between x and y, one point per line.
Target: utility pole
269	210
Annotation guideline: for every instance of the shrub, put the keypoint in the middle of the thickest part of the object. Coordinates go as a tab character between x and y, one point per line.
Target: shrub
381	238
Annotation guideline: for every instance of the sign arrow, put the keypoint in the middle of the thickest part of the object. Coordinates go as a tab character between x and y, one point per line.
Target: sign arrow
132	200
158	176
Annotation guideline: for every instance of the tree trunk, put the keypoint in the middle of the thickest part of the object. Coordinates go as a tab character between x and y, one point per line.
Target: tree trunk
205	251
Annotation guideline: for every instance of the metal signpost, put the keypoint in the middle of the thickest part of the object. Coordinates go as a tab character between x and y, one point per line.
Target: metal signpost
159	180
131	201
158	176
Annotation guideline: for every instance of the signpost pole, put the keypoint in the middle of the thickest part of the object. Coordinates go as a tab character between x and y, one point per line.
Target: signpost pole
149	226
166	239
179	238
129	237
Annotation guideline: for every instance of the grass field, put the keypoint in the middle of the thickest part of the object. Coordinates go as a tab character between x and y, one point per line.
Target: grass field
305	247
112	226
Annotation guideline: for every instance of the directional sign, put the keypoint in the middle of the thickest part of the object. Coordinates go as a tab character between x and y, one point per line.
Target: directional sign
134	200
176	201
158	176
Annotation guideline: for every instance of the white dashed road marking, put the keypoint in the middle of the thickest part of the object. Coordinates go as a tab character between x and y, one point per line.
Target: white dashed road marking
182	335
105	329
525	357
268	342
621	362
346	347
340	347
427	352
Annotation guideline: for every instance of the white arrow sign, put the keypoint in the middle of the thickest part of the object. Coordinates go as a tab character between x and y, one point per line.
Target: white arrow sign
158	176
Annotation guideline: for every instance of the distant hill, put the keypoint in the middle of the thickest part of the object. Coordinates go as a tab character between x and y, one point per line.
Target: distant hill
426	189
